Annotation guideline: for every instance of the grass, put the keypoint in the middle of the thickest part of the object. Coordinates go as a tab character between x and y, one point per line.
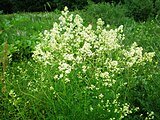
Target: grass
32	92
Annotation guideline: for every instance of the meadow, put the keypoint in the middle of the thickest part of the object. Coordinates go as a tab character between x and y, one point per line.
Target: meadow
94	63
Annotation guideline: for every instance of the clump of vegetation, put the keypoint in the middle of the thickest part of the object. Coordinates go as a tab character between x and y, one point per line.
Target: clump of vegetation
142	10
98	59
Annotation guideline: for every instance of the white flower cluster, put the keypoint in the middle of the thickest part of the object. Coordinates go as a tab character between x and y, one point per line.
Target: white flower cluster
98	54
70	40
135	55
14	100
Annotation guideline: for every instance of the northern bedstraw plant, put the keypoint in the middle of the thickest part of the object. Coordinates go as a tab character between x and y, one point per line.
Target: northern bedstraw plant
89	68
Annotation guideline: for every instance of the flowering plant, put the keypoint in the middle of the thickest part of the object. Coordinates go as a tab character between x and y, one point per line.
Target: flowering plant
94	57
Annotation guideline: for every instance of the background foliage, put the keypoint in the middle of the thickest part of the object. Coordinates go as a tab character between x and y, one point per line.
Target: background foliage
138	9
142	10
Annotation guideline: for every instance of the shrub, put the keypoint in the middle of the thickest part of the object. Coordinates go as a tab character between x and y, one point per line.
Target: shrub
96	62
109	13
157	8
142	10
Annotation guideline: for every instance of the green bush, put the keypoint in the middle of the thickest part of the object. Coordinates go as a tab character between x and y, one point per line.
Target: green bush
142	10
103	66
110	13
157	8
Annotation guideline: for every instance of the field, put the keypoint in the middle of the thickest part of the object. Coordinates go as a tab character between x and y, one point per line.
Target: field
65	65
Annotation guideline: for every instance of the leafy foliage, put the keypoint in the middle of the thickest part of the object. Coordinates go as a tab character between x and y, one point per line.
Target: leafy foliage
14	30
142	10
109	13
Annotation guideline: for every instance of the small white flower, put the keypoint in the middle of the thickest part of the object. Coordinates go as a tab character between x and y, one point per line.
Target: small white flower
70	17
100	22
56	77
105	75
61	76
65	8
101	96
68	57
65	67
51	88
67	80
84	68
91	108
